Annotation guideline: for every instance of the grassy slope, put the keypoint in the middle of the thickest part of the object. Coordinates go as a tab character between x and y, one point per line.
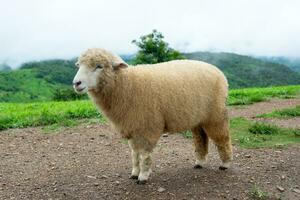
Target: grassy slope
23	86
245	71
36	81
13	115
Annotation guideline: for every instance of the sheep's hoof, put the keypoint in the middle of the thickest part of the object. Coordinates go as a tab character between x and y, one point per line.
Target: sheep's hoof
198	167
134	177
223	168
142	182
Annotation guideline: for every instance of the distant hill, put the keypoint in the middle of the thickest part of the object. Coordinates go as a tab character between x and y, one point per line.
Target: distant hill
246	71
40	81
4	67
36	81
293	63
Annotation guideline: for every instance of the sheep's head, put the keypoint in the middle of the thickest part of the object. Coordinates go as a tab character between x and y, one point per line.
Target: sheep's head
95	67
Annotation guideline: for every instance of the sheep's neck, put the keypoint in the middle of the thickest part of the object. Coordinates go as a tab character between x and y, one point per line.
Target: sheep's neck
108	96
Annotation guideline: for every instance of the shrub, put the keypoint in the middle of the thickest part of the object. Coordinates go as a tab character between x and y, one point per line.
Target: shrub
67	94
264	129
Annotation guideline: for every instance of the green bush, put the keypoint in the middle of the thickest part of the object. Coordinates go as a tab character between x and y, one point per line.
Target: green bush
264	129
67	94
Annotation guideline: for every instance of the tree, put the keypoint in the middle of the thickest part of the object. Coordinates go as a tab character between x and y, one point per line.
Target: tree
153	49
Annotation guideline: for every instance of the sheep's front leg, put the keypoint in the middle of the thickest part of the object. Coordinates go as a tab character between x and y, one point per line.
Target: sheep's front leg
145	167
135	162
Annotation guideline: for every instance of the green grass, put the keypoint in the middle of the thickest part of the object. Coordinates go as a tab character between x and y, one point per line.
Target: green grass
253	95
187	134
263	129
258	194
18	115
284	113
255	135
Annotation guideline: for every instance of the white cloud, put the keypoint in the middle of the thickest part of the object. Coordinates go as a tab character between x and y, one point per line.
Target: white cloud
41	29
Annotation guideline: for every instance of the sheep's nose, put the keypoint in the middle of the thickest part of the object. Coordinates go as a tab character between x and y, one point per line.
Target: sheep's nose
77	83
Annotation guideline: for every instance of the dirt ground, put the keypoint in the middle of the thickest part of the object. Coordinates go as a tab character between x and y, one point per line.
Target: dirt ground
93	162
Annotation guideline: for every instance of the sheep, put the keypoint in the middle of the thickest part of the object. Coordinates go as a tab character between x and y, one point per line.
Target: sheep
143	102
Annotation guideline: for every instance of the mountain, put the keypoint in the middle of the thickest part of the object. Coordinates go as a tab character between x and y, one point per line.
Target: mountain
36	81
246	71
4	67
293	63
52	79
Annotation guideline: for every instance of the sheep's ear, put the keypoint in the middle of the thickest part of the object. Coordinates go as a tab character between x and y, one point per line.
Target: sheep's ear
119	65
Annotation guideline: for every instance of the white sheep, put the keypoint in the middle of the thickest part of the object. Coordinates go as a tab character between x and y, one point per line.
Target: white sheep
145	101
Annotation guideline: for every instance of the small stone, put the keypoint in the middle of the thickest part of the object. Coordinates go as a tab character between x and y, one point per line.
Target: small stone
55	189
281	189
248	156
117	182
296	190
161	189
96	184
165	135
282	177
92	177
103	176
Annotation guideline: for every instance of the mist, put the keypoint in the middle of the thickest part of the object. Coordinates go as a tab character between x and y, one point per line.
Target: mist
45	29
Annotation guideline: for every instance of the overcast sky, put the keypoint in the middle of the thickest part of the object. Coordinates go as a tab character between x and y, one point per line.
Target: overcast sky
43	29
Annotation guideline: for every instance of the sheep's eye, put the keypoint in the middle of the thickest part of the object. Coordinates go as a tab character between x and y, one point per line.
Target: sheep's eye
98	67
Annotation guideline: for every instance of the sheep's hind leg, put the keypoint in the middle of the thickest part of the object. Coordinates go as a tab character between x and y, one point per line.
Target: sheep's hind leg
201	146
135	162
145	167
225	152
219	133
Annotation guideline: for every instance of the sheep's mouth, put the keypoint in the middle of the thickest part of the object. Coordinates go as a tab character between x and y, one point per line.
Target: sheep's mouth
80	90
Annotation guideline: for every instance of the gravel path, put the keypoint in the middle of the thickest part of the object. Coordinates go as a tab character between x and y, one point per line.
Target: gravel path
93	162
